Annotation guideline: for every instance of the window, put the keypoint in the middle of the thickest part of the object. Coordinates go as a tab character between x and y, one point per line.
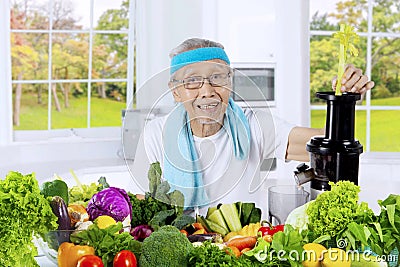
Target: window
70	67
378	24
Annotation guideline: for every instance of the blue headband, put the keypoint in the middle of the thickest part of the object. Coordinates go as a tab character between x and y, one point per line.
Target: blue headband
197	55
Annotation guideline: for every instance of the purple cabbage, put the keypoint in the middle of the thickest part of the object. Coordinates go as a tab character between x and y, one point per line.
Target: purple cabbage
111	201
141	232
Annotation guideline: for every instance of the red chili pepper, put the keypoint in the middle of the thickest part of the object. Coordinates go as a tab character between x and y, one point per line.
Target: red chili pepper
271	230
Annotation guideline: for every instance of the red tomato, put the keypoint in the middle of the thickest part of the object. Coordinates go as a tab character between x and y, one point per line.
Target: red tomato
125	258
90	261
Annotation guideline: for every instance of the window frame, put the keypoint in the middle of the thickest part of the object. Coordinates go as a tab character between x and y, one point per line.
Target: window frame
5	77
367	107
10	136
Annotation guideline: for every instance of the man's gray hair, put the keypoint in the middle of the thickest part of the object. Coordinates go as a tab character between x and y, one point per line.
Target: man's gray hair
193	43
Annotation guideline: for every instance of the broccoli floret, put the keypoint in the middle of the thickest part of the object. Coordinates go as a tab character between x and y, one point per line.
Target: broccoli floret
169	228
164	248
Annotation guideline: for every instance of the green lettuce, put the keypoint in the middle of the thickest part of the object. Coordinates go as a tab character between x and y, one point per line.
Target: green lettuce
332	211
24	212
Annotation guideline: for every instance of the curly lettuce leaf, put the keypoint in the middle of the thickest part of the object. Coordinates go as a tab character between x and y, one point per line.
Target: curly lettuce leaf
24	212
332	211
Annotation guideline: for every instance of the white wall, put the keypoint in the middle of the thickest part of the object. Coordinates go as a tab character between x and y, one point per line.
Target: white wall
246	30
161	25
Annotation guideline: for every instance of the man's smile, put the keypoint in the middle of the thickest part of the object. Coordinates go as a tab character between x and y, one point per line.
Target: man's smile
207	106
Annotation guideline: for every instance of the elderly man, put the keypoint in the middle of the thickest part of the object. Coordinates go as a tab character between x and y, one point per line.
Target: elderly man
210	148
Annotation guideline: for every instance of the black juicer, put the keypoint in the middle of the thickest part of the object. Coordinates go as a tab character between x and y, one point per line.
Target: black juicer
335	156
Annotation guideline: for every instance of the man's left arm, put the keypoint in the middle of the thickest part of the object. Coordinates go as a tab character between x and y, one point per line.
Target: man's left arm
297	140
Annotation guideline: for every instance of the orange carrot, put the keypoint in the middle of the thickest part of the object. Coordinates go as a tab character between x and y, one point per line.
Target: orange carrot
245	250
197	226
234	251
242	242
184	232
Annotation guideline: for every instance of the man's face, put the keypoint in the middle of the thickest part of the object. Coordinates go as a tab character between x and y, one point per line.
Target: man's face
207	104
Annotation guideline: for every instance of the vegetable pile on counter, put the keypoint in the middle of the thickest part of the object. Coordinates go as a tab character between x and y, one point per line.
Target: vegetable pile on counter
116	228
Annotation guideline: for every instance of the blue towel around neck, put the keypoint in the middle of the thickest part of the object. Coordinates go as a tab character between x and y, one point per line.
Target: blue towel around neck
181	163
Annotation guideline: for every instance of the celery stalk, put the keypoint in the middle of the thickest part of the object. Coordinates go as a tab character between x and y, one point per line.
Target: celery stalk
342	62
347	40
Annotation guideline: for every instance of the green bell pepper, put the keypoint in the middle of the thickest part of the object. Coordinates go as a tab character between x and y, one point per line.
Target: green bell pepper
55	188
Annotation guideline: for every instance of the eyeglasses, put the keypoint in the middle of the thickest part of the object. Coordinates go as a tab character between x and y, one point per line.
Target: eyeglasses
196	82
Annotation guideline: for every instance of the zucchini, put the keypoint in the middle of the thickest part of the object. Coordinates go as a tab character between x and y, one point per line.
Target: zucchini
247	208
231	216
255	216
239	208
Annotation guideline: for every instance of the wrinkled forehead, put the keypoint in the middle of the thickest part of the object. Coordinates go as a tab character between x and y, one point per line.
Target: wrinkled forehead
203	68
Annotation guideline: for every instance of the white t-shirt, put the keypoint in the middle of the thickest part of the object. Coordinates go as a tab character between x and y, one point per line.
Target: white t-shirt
226	178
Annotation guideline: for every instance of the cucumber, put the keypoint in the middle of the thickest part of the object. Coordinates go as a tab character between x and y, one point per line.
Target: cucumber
216	228
210	210
231	216
213	227
202	220
217	218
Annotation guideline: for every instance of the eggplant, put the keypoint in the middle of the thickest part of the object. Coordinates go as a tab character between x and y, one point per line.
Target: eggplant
60	209
64	222
215	238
